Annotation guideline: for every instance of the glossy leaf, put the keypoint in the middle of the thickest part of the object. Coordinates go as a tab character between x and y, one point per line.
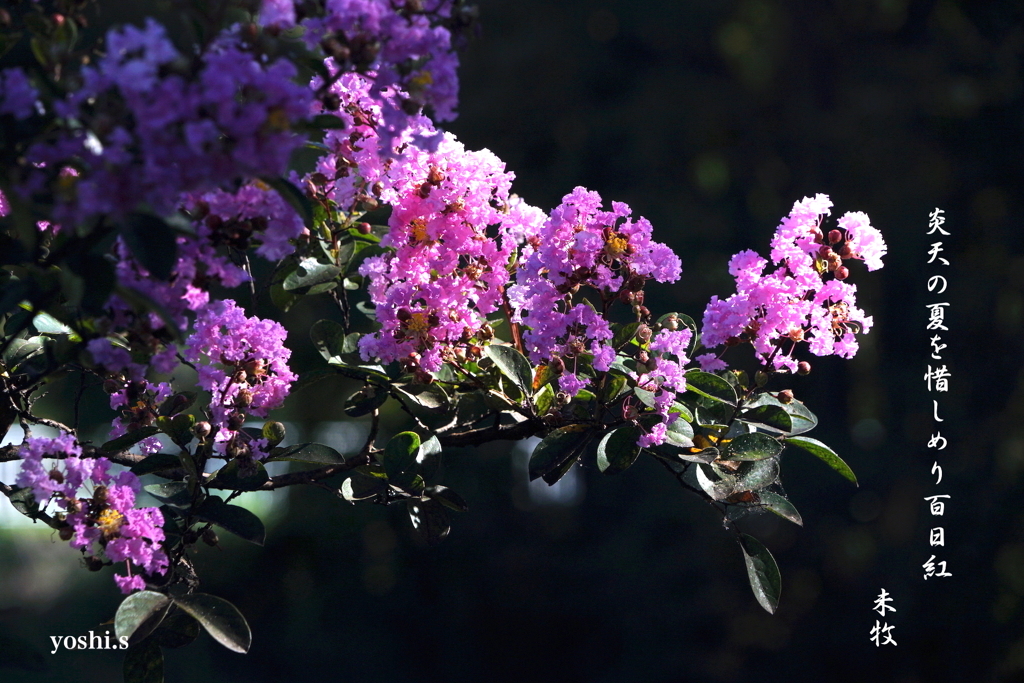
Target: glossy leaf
561	445
428	457
230	477
177	630
316	453
310	273
365	401
329	338
753	476
220	618
625	334
174	493
755	446
448	498
781	506
512	365
139	614
762	572
773	417
617	450
430	519
543	399
823	452
400	453
361	487
233	518
156	462
126	441
710	386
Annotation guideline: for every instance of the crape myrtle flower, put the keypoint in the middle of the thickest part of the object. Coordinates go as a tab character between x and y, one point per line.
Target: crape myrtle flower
157	123
797	301
103	523
580	244
242	362
453	233
17	94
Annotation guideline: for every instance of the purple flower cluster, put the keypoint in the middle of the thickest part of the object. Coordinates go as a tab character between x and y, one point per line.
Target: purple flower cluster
105	525
17	94
795	302
582	245
453	229
244	366
157	126
404	48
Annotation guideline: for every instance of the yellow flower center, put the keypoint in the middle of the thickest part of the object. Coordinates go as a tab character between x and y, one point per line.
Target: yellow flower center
419	323
615	246
109	522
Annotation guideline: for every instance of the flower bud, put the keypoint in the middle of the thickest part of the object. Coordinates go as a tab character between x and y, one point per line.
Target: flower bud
112	386
803	368
842	272
761	378
824	251
846	252
65	533
643	333
202	430
243	399
556	366
210	537
629	411
93	564
785	396
364	228
273	432
834	236
236	420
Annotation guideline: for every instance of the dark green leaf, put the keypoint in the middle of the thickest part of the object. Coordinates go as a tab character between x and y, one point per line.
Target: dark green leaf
230	477
803	419
20	350
625	334
47	324
328	338
646	397
770	417
365	401
294	196
710	386
763	573
543	399
316	453
512	365
614	386
177	630
447	497
360	487
174	493
152	242
400	454
820	450
178	403
326	121
430	520
560	446
24	502
156	462
220	618
780	506
144	663
139	614
311	272
233	518
618	450
684	414
428	457
123	443
754	446
753	476
429	397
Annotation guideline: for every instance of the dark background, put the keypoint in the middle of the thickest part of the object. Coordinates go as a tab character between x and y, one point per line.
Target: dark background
710	119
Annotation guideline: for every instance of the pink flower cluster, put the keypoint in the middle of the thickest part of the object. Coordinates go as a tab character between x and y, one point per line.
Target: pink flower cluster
105	525
795	302
243	364
453	229
582	245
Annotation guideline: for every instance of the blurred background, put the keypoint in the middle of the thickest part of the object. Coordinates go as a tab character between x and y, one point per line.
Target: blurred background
710	119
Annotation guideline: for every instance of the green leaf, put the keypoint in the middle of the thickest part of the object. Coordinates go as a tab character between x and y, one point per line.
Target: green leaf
400	454
684	415
20	350
512	365
123	443
316	453
562	445
152	241
625	334
325	121
773	417
144	663
47	324
233	518
365	401
447	497
754	446
24	502
179	402
763	573
174	493
820	450
614	386
220	618
543	399
177	630
156	462
361	487
310	273
139	614
428	457
328	338
803	419
294	196
646	397
780	506
618	450
710	386
430	520
179	427
230	477
753	476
